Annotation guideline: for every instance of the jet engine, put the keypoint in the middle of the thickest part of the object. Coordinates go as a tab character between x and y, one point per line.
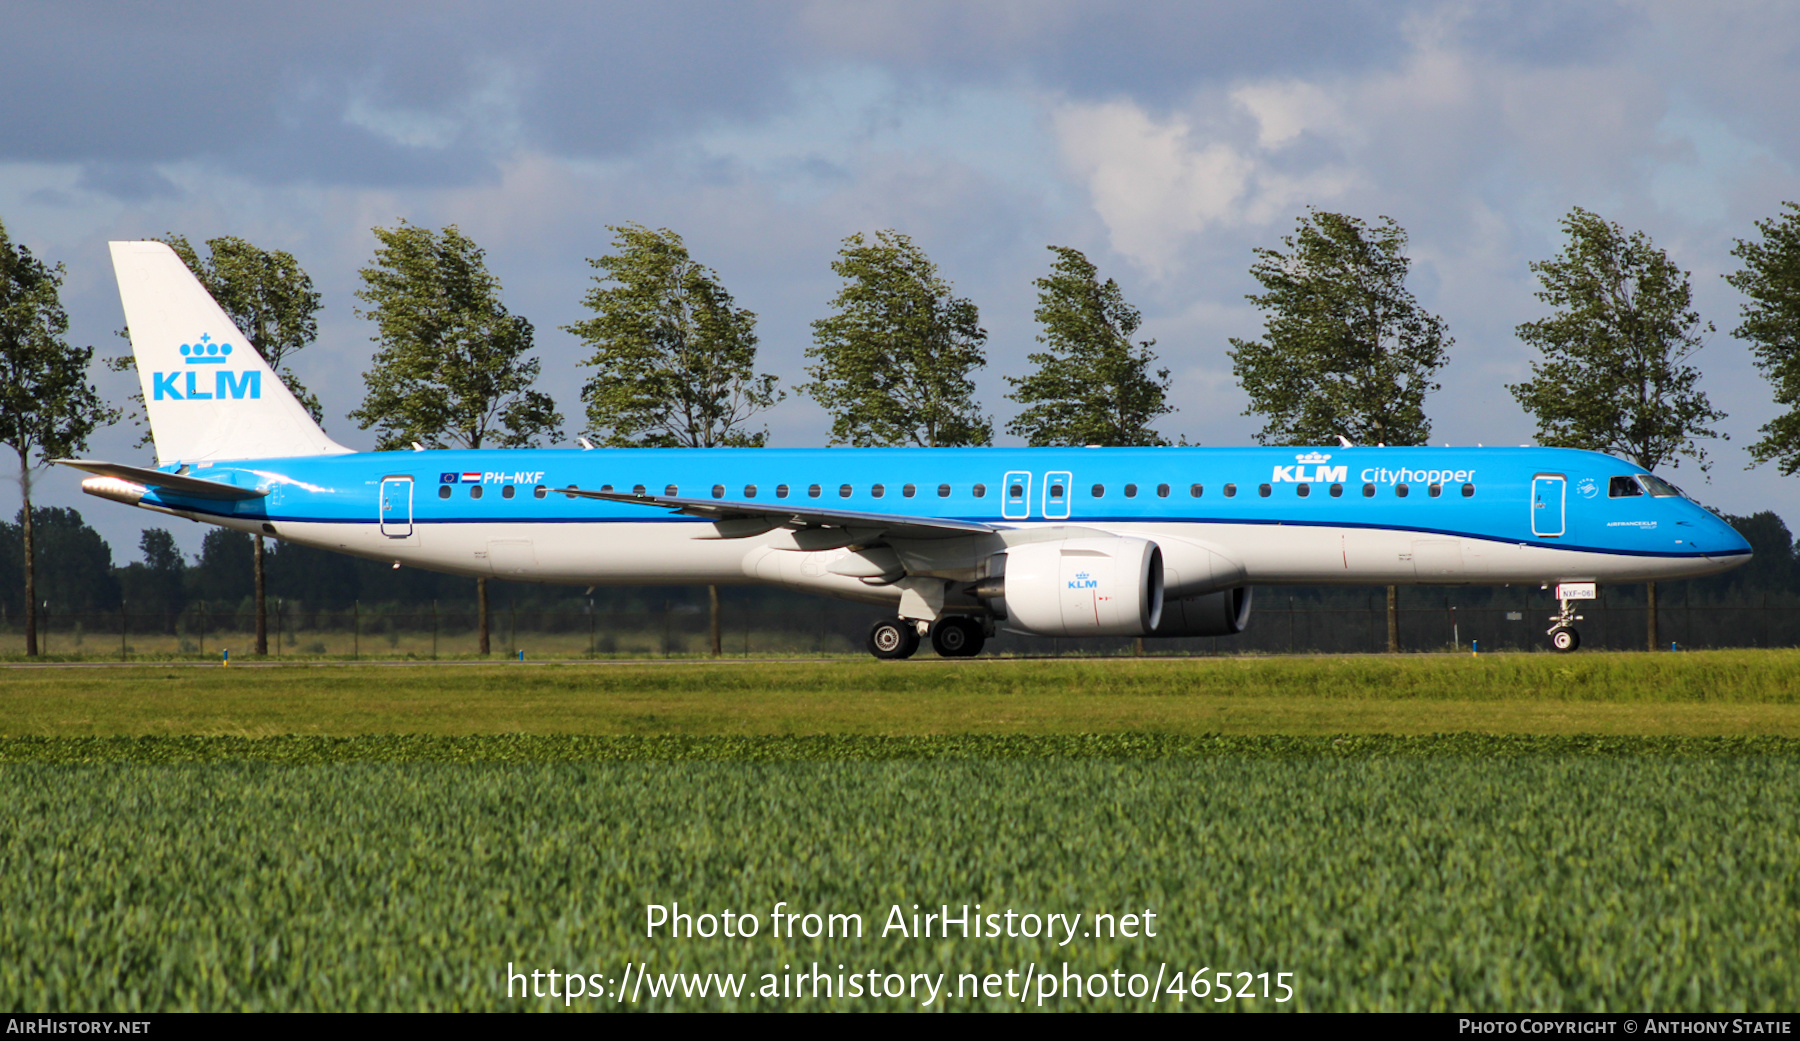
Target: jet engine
1107	586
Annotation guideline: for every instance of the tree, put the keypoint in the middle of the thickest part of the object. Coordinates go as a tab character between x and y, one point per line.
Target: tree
454	366
1347	350
157	584
269	298
676	359
1093	387
1614	375
1771	323
47	406
894	361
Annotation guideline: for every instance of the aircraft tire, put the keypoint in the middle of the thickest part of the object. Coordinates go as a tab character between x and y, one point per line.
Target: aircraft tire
957	637
1564	639
893	638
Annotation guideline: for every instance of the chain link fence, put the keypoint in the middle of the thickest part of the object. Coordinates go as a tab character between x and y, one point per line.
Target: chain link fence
801	627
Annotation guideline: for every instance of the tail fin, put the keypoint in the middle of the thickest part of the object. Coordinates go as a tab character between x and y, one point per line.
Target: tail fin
208	392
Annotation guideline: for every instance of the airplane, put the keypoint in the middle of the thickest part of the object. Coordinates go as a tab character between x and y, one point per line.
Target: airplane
953	545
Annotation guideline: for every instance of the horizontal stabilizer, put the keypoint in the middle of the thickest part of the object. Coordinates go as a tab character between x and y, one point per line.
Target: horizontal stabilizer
177	484
888	525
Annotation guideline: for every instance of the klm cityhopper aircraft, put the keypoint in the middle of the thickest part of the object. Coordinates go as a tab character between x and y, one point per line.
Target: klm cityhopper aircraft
954	544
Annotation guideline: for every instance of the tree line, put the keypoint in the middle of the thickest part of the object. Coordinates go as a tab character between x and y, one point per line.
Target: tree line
1346	352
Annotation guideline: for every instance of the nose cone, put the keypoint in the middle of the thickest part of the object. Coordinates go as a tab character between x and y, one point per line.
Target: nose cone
1721	542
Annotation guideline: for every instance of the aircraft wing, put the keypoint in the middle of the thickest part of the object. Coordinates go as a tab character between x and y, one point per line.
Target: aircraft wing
178	484
883	525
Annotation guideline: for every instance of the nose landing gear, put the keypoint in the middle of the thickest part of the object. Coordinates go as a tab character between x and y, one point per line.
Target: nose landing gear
1563	637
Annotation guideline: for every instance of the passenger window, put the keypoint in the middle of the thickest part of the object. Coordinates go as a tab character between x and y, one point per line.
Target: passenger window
1162	491
1017	491
475	491
444	492
604	488
1401	490
1263	490
812	491
637	489
1622	488
671	490
781	491
539	492
909	490
1056	491
1368	491
507	491
1303	490
1098	491
843	491
1434	489
1337	491
980	491
1195	490
1231	491
878	490
1131	491
943	491
749	491
1468	491
570	494
718	491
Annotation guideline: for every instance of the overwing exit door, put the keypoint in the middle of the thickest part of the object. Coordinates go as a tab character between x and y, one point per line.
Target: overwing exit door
1056	494
1017	503
396	507
1549	494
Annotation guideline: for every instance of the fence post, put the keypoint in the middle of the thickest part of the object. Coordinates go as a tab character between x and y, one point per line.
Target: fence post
434	628
356	630
512	627
202	628
277	627
124	648
593	631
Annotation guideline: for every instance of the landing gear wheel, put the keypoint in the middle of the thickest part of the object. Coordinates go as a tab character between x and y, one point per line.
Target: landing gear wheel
893	638
957	637
1564	639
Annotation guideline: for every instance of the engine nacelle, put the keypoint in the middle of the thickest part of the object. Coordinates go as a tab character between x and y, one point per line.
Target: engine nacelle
1224	613
1081	587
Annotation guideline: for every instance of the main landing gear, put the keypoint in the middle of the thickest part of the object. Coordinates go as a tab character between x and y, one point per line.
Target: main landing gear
953	636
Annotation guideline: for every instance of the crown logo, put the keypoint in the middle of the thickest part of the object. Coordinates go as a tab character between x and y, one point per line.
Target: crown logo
1312	458
205	351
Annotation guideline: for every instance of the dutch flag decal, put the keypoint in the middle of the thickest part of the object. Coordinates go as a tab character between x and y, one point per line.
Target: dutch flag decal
472	478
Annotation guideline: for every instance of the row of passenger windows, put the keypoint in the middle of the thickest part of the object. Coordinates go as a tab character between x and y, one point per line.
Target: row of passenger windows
1016	491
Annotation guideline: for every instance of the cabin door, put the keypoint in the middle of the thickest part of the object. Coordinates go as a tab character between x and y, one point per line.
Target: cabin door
1549	493
396	507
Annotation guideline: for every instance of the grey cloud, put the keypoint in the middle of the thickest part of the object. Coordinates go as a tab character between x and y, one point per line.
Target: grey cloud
131	182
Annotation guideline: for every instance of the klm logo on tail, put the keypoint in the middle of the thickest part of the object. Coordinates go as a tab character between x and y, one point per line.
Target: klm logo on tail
185	385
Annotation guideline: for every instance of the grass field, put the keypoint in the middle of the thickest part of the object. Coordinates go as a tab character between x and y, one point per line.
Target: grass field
1713	692
1605	832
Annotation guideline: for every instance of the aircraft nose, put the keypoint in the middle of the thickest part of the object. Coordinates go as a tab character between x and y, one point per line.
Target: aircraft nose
1723	540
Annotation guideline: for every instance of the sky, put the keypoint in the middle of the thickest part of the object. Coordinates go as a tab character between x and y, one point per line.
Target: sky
1166	141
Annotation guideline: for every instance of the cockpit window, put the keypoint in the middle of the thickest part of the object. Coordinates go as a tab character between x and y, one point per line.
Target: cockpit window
1623	487
1659	487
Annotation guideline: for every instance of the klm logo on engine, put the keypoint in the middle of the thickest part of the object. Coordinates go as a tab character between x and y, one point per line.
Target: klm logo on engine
1320	472
189	384
1083	580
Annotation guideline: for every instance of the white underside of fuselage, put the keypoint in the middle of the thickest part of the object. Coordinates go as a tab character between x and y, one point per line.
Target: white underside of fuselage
690	553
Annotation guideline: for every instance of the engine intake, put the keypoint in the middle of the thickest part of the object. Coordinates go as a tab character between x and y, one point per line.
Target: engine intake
1080	587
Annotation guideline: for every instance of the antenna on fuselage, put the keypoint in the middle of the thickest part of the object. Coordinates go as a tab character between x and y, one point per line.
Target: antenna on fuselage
586	445
1344	442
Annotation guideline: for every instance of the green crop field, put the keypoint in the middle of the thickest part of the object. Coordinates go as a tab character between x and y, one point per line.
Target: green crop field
1599	832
